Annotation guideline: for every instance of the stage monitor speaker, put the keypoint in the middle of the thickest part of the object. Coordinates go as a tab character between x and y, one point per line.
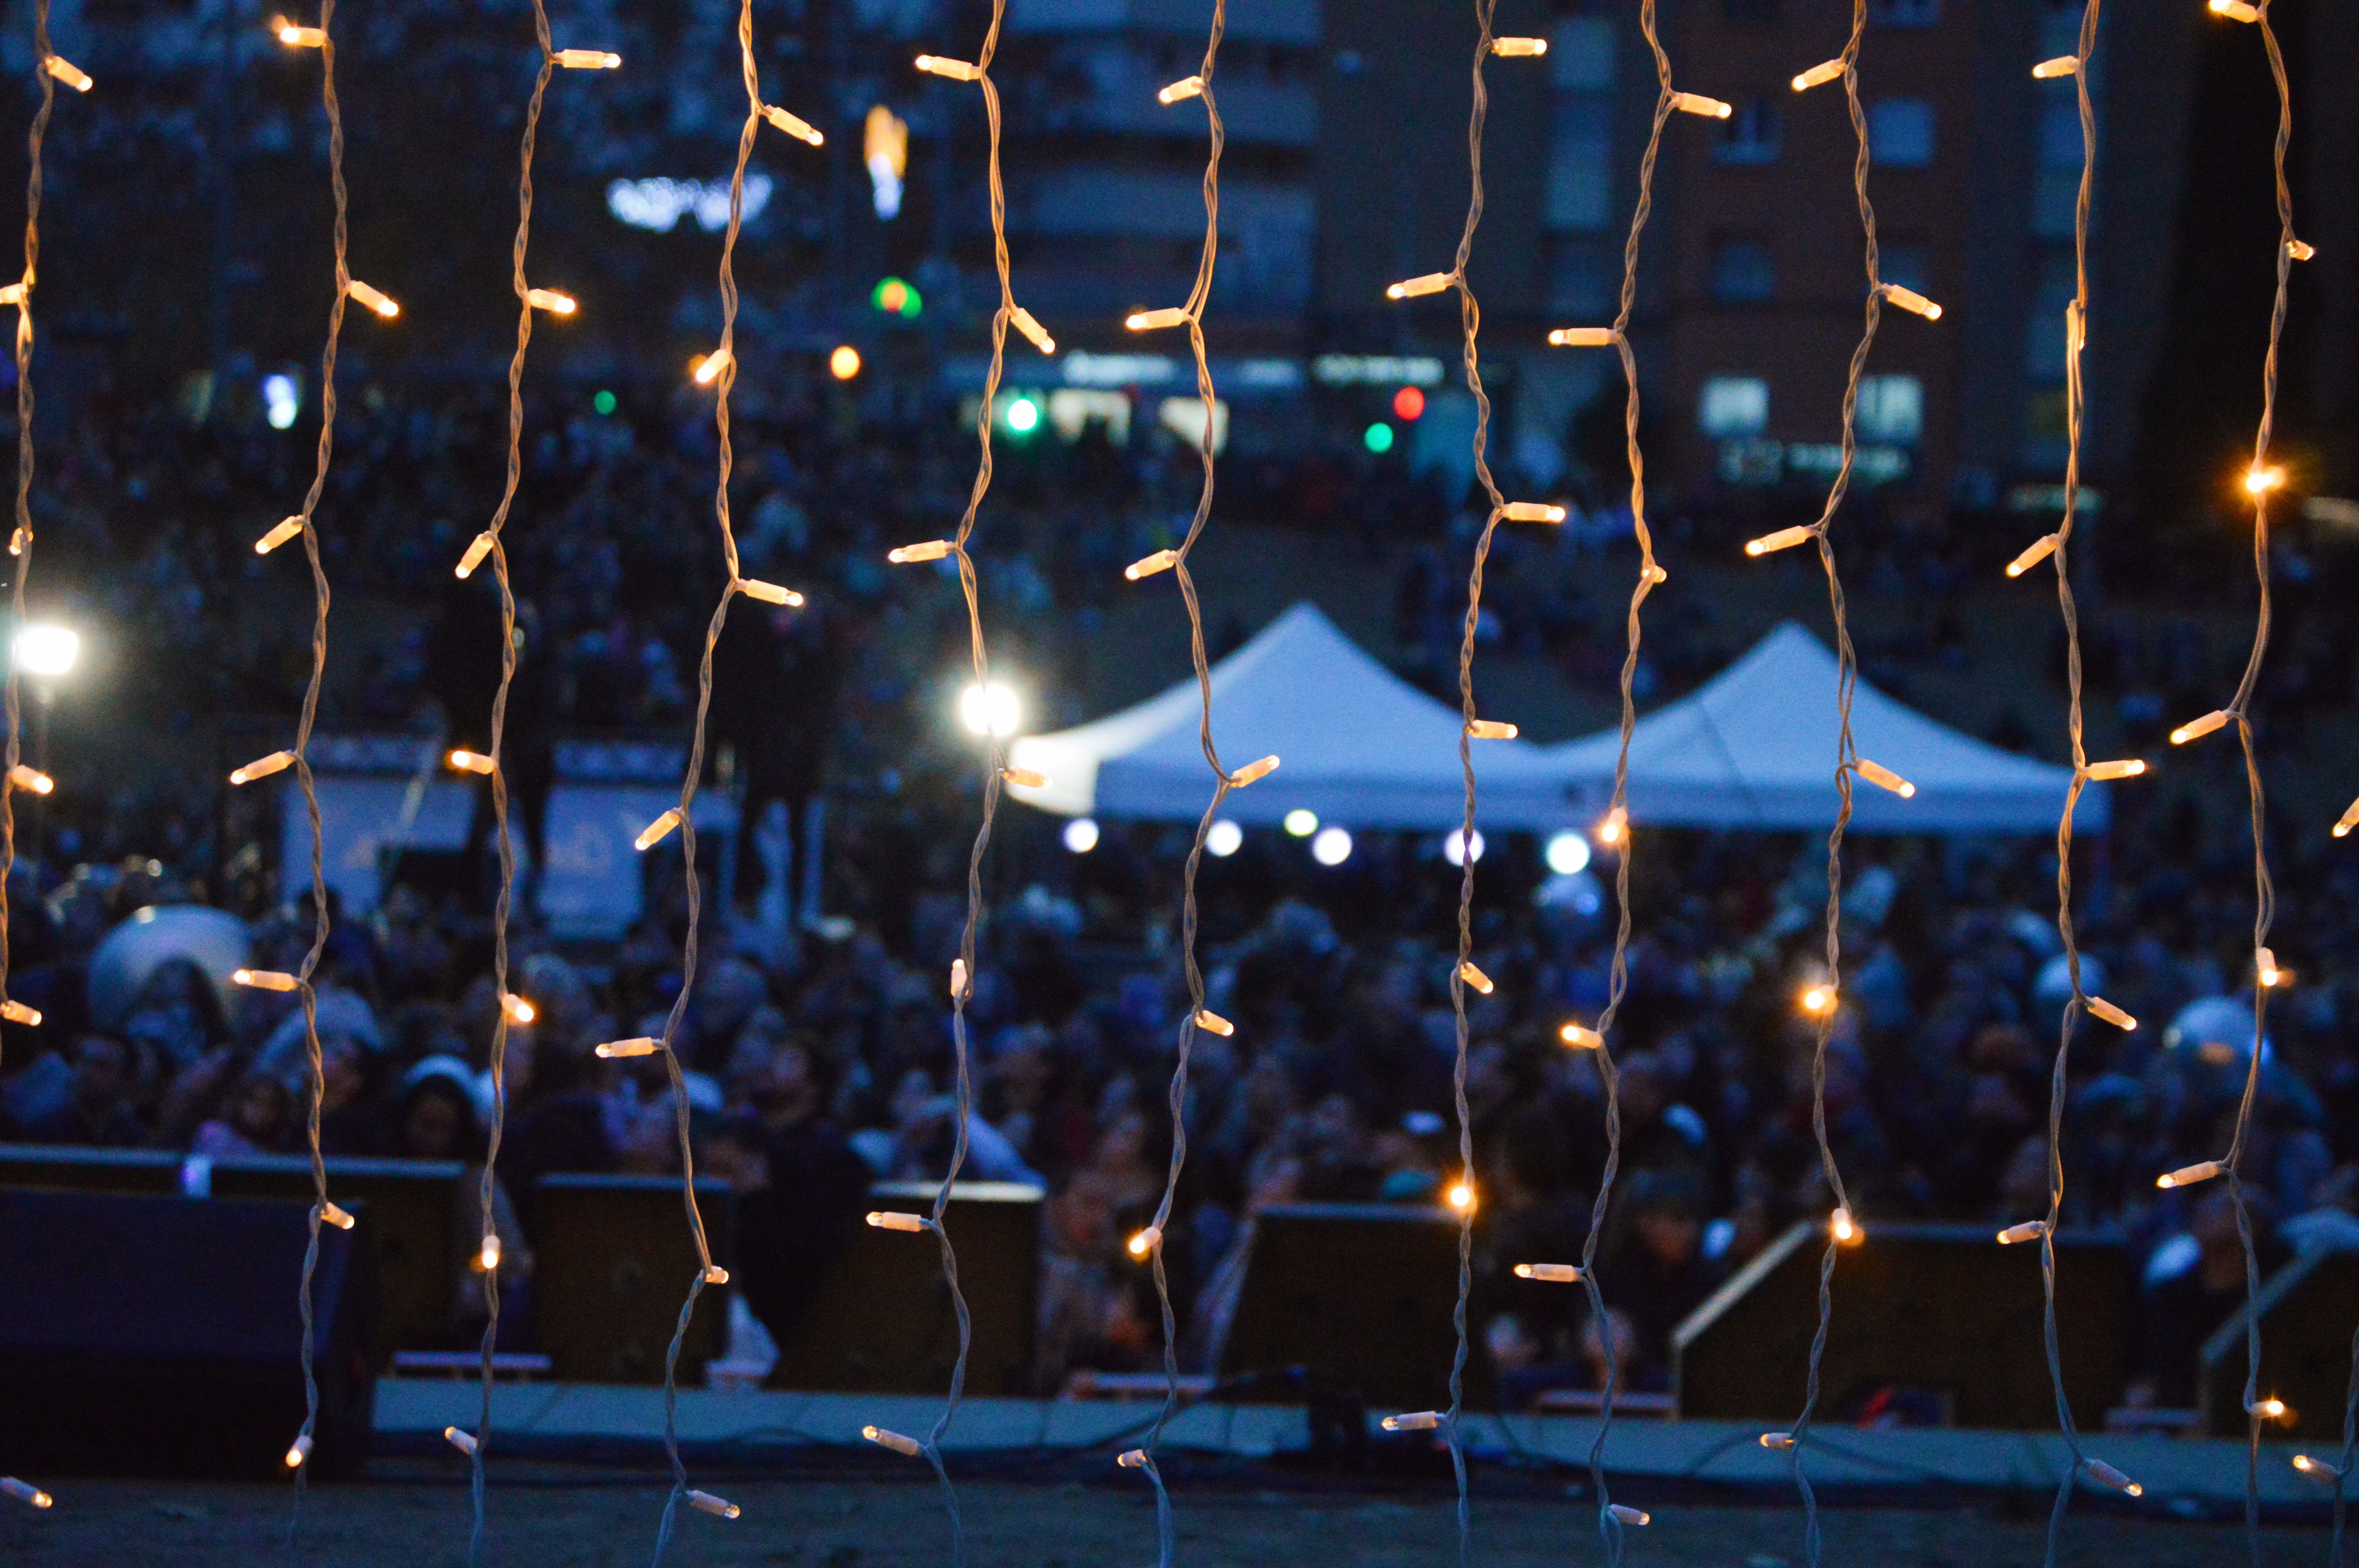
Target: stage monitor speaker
417	1219
2309	1309
1934	1325
882	1322
55	1167
612	1264
1359	1297
159	1335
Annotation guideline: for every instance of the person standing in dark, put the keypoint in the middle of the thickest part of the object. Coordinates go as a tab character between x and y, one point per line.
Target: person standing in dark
776	674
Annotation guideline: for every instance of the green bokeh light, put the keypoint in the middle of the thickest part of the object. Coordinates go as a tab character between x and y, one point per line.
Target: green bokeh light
1379	437
604	402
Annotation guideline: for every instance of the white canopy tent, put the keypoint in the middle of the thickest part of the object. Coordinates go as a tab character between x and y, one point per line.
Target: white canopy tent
1755	747
1357	745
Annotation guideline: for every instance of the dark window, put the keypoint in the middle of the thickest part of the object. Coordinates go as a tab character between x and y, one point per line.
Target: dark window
1901	131
1750	134
1741	272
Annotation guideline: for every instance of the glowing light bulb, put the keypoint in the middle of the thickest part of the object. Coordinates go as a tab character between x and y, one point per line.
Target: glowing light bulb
296	37
1301	823
706	1503
955	69
2098	1469
1910	301
2300	250
714	1274
2260	482
263	767
2188	1176
2194	728
518	1010
641	1045
1585	338
1461	1197
844	363
1223	838
1268	765
1553	1273
1029	325
341	1219
264	979
2128	768
1531	512
892	1440
2347	821
1081	836
1143	1241
31	780
1431	283
1843	1227
1628	1515
1148	566
477	548
550	300
17	1012
1185	88
1783	539
794	125
1211	1022
1132	1458
655	832
587	60
1819	1001
1490	730
1155	320
2265	969
931	550
1777	1441
1883	777
1581	1037
1567	854
769	593
2029	1231
278	535
991	710
1697	103
24	1492
2062	65
65	71
299	1451
2236	10
2270	1408
1331	846
1413	1420
472	762
958	978
464	1442
1818	75
487	1255
2040	550
1519	49
1615	829
377	299
1025	778
706	369
891	1221
1474	977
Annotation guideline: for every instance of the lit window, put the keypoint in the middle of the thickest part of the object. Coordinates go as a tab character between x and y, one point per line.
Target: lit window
1901	131
1741	272
1891	408
1749	136
1734	405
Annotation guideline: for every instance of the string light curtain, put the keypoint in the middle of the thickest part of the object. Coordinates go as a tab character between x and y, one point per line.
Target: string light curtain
53	69
1821	1003
1149	1243
513	1009
718	370
1009	313
303	525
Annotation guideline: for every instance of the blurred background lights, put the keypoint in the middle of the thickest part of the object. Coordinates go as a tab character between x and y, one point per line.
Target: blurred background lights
1379	437
1223	839
45	650
1332	846
1023	416
845	363
1301	823
282	401
1408	403
885	148
1080	835
1453	848
1568	854
991	710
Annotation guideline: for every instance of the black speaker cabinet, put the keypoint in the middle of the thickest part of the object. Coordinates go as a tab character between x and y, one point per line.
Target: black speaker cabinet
883	1322
160	1335
2309	1310
1940	1320
1359	1296
612	1264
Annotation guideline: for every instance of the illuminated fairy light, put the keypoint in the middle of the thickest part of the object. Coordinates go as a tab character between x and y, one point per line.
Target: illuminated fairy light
24	1492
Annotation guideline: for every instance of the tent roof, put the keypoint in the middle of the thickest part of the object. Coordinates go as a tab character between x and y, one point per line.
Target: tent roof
1358	745
1755	747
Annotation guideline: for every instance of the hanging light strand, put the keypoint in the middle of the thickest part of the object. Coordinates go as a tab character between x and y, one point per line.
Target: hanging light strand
684	816
2059	551
21	544
1843	1230
1200	1017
